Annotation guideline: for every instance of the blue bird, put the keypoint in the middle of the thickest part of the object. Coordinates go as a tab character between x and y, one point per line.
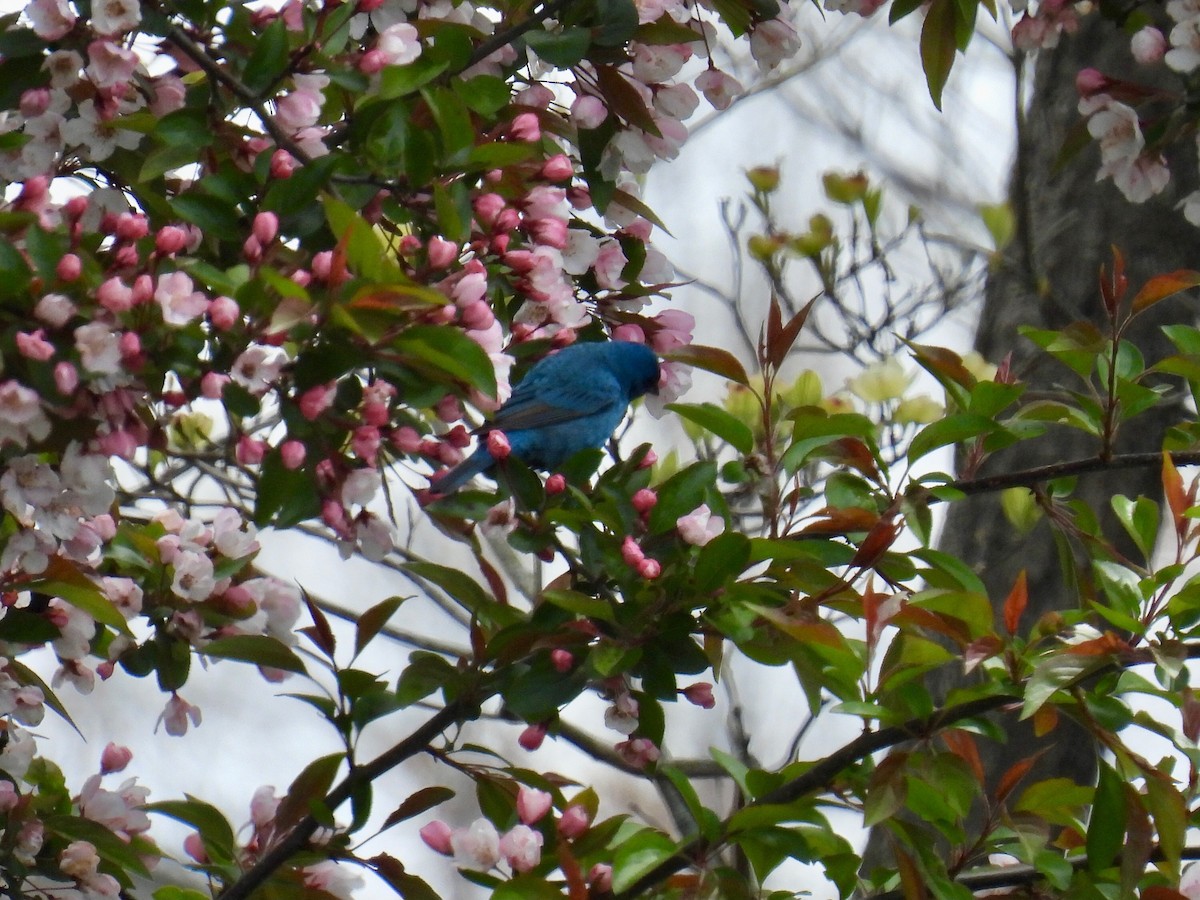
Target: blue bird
566	403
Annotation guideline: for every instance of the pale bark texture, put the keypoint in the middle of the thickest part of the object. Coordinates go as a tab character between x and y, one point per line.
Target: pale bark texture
1067	223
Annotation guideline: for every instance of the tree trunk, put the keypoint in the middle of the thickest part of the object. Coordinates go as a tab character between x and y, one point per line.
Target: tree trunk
1067	223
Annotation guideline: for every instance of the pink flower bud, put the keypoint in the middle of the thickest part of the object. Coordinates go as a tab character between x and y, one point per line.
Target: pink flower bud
701	694
130	344
283	164
372	61
574	821
66	378
498	446
212	385
224	313
649	569
143	289
525	127
531	738
252	249
115	296
406	439
488	207
532	804
631	552
1148	46
600	878
33	345
170	240
1090	82
558	168
441	252
132	226
555	484
250	452
562	660
114	758
458	437
436	836
292	453
648	460
266	227
69	268
644	500
193	846
316	400
478	316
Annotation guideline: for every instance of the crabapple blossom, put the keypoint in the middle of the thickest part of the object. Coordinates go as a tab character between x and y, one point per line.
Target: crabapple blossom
51	19
521	847
718	88
1148	45
532	737
115	17
436	835
477	846
701	694
177	714
574	821
699	526
333	878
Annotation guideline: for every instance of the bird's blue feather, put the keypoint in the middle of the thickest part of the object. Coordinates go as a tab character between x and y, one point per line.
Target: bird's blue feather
566	403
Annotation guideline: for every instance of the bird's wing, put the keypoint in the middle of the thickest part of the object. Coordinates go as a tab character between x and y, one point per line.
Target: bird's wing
540	401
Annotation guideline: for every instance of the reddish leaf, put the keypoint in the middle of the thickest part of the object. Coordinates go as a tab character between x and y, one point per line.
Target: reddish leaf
407	885
623	98
912	884
1191	716
415	804
855	453
1160	287
780	337
980	649
1172	483
942	363
872	600
1045	720
1159	892
877	541
1113	290
320	632
841	521
1101	646
492	577
1011	778
955	629
1018	599
962	745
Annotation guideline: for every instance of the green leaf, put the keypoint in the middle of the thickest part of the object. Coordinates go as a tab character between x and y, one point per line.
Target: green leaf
68	583
1106	825
1052	673
108	846
939	43
721	560
561	49
485	94
953	429
580	604
258	649
464	590
210	214
367	253
26	675
398	81
716	420
637	855
269	57
448	351
214	828
710	359
1140	519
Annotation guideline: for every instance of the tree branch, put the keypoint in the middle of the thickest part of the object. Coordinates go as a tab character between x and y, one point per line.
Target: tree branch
296	839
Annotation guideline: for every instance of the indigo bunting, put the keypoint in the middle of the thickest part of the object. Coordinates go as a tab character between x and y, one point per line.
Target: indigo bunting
567	402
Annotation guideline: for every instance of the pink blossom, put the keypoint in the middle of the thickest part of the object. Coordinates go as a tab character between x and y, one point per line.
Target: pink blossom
266	227
193	846
622	716
610	263
533	804
574	821
521	847
51	19
588	111
99	348
114	758
436	835
69	268
110	65
55	310
194	579
257	368
115	17
115	296
333	878
562	660
675	327
169	95
658	62
33	345
600	878
263	806
555	484
283	164
699	526
179	301
400	44
639	752
631	552
476	847
558	168
1148	45
249	451
441	252
9	798
718	88
772	41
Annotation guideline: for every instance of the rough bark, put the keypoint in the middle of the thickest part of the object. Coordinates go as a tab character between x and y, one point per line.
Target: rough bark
1048	277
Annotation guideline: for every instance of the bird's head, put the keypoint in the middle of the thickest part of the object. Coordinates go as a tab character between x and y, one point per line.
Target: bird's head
636	365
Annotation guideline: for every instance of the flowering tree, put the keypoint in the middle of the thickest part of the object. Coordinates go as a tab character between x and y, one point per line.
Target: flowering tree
257	260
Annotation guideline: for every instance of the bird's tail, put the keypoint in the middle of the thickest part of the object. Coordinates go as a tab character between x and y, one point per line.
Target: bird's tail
477	462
